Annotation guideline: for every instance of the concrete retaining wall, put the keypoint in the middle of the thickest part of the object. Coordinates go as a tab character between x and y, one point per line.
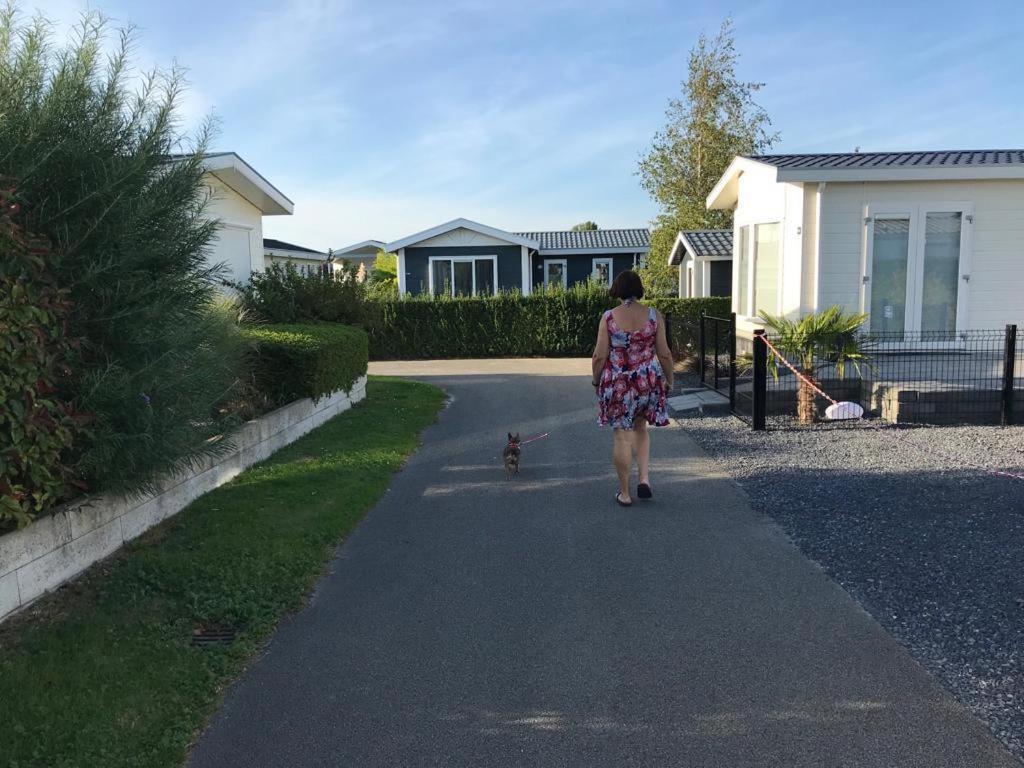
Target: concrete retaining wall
58	547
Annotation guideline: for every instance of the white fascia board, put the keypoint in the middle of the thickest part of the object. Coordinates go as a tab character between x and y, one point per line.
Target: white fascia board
243	178
902	174
286	253
375	244
726	190
587	251
473	226
679	247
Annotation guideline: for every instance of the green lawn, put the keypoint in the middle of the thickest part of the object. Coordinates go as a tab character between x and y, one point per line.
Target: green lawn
104	674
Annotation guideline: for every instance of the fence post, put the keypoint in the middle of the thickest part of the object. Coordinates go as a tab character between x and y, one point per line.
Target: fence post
732	361
760	379
1009	359
718	352
701	340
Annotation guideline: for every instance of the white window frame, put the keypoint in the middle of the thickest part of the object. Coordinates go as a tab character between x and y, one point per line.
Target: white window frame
917	213
690	282
602	260
472	259
565	271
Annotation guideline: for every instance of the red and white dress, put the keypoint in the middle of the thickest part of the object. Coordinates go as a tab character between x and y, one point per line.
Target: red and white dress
632	382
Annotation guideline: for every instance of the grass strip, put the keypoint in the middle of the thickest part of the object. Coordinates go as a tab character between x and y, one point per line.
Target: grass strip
103	672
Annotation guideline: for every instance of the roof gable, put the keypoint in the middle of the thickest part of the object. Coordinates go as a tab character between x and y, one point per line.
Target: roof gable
454	224
243	179
367	246
701	244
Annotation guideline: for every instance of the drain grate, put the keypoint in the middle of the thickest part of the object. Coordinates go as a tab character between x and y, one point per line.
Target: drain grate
209	636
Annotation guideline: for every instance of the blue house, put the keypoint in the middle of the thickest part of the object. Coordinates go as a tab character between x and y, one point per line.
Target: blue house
465	258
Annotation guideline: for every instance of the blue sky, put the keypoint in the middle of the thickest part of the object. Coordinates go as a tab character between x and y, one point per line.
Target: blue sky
381	118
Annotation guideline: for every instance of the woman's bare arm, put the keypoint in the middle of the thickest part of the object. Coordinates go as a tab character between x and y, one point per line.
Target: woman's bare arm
661	348
600	351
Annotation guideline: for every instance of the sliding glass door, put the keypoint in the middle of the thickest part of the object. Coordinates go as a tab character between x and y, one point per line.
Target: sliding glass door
915	270
463	276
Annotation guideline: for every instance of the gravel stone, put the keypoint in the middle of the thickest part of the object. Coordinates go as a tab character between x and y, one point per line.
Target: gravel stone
927	544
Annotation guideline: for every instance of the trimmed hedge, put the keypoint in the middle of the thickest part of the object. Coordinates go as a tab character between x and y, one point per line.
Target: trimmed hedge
293	361
553	324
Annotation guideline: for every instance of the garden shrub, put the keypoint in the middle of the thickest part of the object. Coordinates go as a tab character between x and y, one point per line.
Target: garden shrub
559	323
282	295
105	176
291	361
37	427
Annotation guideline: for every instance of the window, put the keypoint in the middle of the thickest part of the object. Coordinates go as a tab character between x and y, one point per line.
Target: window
889	248
743	276
602	271
941	267
555	273
463	275
766	269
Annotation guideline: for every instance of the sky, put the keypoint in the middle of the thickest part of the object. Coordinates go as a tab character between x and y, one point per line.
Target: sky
380	119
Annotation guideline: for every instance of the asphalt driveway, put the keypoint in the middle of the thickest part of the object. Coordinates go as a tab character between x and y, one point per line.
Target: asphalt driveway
471	621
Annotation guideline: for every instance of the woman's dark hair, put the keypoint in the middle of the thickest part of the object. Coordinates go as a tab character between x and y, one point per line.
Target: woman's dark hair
627	285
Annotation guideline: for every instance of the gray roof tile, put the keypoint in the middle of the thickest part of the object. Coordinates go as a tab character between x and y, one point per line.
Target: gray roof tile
971	158
709	242
626	239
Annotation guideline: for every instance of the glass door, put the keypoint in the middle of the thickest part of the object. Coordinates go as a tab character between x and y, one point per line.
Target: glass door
887	287
554	272
940	272
462	280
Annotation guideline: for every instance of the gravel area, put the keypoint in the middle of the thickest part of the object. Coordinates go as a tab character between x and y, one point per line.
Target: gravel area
932	550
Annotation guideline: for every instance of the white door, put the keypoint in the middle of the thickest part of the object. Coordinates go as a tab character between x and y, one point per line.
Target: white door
916	270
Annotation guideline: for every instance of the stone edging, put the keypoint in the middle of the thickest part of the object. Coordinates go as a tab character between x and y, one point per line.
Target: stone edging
56	548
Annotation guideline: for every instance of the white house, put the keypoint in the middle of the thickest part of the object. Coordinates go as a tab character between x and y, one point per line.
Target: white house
704	259
921	241
360	255
240	198
307	261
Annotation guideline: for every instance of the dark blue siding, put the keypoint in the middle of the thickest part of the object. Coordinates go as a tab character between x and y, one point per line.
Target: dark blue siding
720	283
580	265
417	264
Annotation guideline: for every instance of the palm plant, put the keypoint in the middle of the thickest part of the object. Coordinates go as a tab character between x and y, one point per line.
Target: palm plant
824	339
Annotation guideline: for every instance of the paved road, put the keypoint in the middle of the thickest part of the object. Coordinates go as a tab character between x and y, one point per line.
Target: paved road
473	622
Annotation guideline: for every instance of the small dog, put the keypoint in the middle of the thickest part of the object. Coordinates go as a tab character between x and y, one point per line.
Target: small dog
511	456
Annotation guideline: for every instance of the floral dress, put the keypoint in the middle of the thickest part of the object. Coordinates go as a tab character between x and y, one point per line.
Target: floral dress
632	383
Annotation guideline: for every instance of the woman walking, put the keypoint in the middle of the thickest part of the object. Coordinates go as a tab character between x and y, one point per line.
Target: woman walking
632	369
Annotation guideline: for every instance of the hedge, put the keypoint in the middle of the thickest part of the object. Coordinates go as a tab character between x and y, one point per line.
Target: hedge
556	324
306	359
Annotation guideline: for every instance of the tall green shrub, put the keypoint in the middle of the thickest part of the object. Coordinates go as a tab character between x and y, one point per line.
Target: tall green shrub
37	428
281	294
100	170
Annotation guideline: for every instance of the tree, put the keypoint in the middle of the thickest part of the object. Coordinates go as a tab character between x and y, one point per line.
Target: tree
715	119
105	175
827	339
586	226
383	280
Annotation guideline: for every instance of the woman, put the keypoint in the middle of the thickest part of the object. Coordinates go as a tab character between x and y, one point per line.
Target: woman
632	369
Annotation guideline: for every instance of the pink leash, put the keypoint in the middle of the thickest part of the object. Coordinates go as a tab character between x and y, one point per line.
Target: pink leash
820	391
534	439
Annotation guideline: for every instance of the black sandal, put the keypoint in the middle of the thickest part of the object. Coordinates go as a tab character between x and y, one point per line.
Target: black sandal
643	491
620	502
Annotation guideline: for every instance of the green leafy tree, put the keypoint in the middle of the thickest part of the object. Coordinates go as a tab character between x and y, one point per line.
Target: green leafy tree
106	176
714	119
584	226
383	280
827	339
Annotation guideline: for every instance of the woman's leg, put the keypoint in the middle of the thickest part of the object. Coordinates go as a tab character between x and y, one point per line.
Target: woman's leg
642	447
622	456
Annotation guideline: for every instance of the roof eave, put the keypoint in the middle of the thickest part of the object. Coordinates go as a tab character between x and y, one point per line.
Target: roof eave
585	251
970	173
679	247
376	244
231	169
726	191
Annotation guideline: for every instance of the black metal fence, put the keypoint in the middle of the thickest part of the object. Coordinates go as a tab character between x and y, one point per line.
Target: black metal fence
716	354
970	377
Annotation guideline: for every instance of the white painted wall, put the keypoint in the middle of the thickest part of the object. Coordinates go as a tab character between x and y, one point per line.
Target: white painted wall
995	292
239	242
